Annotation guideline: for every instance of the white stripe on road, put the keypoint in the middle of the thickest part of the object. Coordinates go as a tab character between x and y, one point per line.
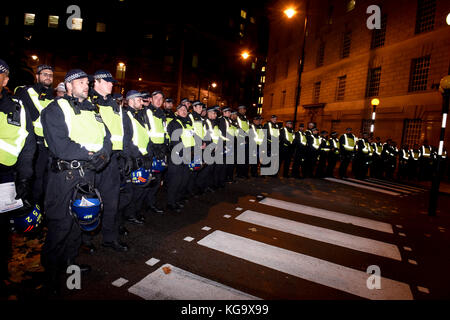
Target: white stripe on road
363	186
306	267
322	234
330	215
404	186
172	283
392	188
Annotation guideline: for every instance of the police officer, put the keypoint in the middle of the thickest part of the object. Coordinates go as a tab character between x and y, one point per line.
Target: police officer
234	130
403	162
360	164
61	90
138	148
17	148
425	162
376	168
109	178
333	155
35	98
182	142
196	185
168	110
257	135
300	152
273	136
242	146
287	136
226	141
389	155
159	144
313	146
347	144
80	146
213	135
413	162
324	150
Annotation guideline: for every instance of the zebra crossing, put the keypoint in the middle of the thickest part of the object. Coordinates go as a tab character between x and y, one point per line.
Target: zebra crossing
381	186
170	281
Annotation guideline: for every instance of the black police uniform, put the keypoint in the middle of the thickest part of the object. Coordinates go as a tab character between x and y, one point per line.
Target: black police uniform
312	154
273	153
287	150
177	174
231	166
254	167
64	235
21	172
242	147
346	155
197	182
299	155
161	152
41	160
324	151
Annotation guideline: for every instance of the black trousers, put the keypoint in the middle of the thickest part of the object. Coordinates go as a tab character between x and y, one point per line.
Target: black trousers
108	184
322	164
63	238
299	162
285	160
311	161
152	189
332	161
178	178
345	162
41	164
242	169
376	167
219	175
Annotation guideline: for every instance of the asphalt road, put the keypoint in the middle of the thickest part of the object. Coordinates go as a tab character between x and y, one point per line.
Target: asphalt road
280	239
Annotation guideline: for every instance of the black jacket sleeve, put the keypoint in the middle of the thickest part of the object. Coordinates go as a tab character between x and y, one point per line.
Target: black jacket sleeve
25	160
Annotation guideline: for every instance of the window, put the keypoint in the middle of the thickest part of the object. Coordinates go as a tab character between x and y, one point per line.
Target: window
53	21
263	69
120	71
426	10
412	128
346	43
29	19
330	15
350	5
243	14
194	61
365	125
378	35
77	24
340	88
316	92
252	20
419	74
100	27
260	100
373	82
320	54
263	79
6	21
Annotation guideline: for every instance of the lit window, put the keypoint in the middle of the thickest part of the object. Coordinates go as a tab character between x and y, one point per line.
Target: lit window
263	79
241	27
77	24
261	100
194	61
263	69
253	66
6	21
29	19
120	71
148	36
241	34
243	14
351	5
252	20
53	21
100	27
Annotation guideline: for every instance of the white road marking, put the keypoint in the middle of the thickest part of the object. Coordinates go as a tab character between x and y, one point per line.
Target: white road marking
306	267
361	186
227	216
322	234
392	188
178	284
152	262
423	289
404	186
239	209
330	215
205	228
119	282
188	239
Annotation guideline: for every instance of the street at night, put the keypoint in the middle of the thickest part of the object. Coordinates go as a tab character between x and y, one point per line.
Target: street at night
227	159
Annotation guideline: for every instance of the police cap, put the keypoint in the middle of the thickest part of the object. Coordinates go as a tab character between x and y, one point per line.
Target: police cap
75	74
105	75
42	67
4	68
154	93
133	94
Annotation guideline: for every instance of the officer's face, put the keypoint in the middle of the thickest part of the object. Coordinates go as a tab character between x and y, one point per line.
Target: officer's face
234	116
103	87
242	110
227	114
168	105
4	78
157	100
79	88
289	125
212	115
273	120
182	112
135	103
203	112
45	77
198	108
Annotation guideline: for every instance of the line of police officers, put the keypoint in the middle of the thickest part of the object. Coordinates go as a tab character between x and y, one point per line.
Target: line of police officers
51	146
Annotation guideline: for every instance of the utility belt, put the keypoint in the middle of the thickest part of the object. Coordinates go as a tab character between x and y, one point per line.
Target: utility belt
58	165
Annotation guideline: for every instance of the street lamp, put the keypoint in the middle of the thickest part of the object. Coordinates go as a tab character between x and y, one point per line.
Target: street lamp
245	55
290	12
375	102
444	88
211	84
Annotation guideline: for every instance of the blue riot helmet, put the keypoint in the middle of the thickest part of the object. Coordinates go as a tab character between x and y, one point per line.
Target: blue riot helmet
196	164
26	219
141	177
159	165
86	206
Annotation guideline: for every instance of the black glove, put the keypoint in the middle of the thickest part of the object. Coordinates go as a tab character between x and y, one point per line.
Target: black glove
147	162
128	164
23	190
99	160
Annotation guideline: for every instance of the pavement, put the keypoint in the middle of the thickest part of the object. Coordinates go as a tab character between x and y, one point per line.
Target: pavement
270	239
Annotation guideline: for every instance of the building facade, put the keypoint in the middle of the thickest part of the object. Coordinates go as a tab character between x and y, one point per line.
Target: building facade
347	64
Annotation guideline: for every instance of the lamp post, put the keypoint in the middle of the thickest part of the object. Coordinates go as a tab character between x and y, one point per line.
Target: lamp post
444	88
213	84
290	12
375	102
